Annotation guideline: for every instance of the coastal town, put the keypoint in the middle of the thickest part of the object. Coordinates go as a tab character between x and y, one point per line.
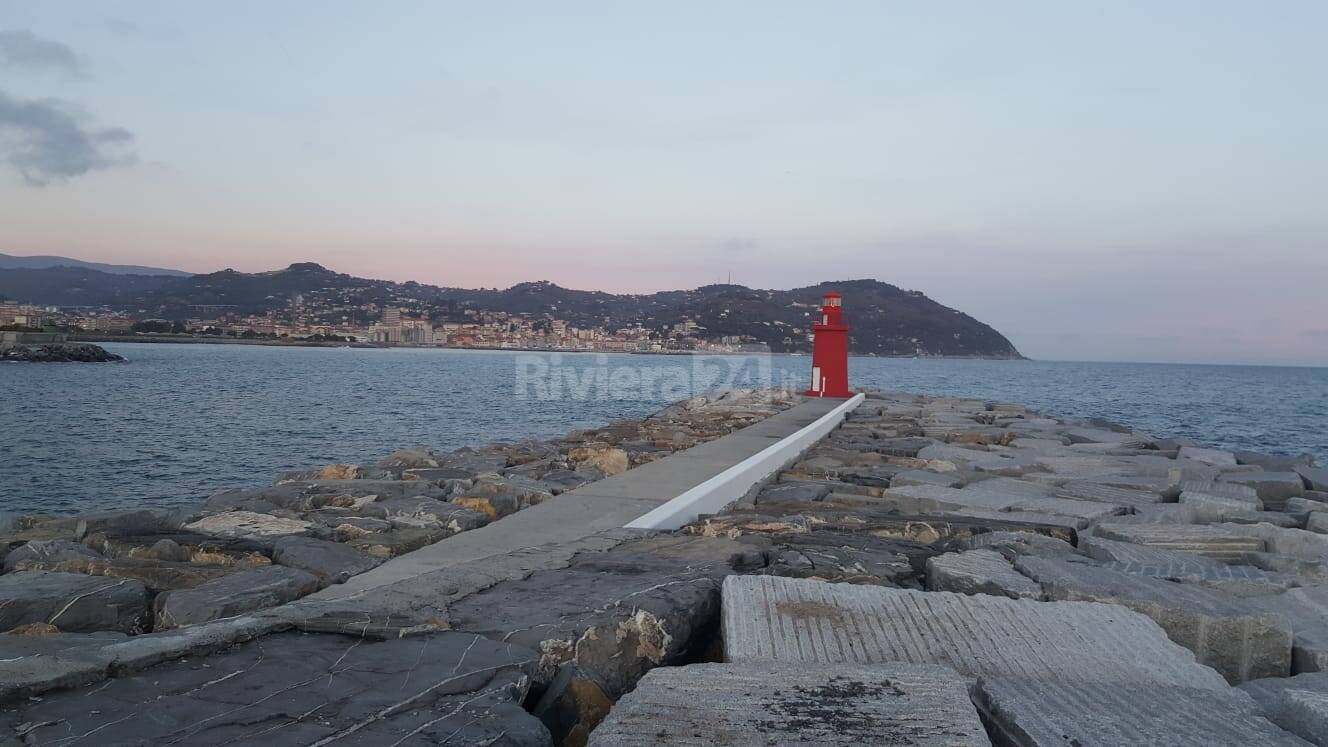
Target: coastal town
327	318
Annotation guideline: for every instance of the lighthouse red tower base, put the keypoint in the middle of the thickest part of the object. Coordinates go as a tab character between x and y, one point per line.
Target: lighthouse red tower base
830	351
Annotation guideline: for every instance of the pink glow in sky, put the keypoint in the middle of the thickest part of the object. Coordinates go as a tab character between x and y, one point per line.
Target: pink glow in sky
1131	181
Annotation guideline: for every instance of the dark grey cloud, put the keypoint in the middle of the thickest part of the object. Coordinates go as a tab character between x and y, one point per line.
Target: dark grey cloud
23	49
46	142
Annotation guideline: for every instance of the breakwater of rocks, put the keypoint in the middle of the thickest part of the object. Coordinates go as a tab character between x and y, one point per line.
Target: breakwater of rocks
66	352
936	570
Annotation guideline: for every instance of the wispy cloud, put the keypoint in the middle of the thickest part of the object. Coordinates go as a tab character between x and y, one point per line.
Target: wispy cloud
1316	333
46	142
21	48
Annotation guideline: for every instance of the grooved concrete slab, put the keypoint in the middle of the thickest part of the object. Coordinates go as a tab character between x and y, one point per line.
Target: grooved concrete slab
1037	713
1218	543
732	705
794	620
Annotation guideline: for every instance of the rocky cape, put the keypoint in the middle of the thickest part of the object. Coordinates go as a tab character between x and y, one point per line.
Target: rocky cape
886	320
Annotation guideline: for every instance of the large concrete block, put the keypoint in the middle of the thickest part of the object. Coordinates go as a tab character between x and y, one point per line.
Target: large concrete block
793	620
1215	457
1274	488
979	572
1267	692
1315	478
1083	490
1303	713
1138	560
1239	641
1215	508
1216	542
998	498
1224	489
1038	713
762	704
1295	543
1306	609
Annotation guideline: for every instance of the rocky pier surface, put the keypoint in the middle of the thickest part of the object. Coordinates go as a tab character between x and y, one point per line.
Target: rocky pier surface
934	572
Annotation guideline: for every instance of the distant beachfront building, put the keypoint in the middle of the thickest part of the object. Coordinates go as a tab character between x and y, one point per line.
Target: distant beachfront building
391	316
115	325
417	331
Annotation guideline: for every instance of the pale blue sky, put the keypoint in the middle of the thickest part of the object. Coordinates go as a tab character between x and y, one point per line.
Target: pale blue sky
1118	181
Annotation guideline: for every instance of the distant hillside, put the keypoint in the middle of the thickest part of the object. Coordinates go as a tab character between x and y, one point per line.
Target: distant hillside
11	262
884	319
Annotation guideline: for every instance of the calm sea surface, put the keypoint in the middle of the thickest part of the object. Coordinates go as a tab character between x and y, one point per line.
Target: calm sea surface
179	422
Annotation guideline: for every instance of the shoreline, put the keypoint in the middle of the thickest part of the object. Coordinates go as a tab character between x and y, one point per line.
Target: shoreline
210	340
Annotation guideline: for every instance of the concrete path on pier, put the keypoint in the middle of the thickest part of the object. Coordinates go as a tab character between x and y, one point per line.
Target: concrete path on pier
611	503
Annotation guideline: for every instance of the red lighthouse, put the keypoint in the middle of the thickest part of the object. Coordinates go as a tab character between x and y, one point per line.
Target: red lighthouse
830	351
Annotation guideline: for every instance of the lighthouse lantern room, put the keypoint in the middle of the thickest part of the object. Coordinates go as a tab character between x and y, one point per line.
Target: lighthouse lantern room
830	350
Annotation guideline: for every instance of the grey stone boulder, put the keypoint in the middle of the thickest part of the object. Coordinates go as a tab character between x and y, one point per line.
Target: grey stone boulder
1084	490
473	461
1315	478
979	572
136	522
156	575
1304	713
901	447
1240	641
292	688
1298	704
1273	462
1306	610
1304	506
437	475
333	562
1215	457
47	551
1274	488
998	498
247	525
1040	713
232	595
1266	692
1317	521
614	614
1214	508
762	704
785	492
424	512
1013	544
403	459
923	477
566	479
1291	542
848	557
72	602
